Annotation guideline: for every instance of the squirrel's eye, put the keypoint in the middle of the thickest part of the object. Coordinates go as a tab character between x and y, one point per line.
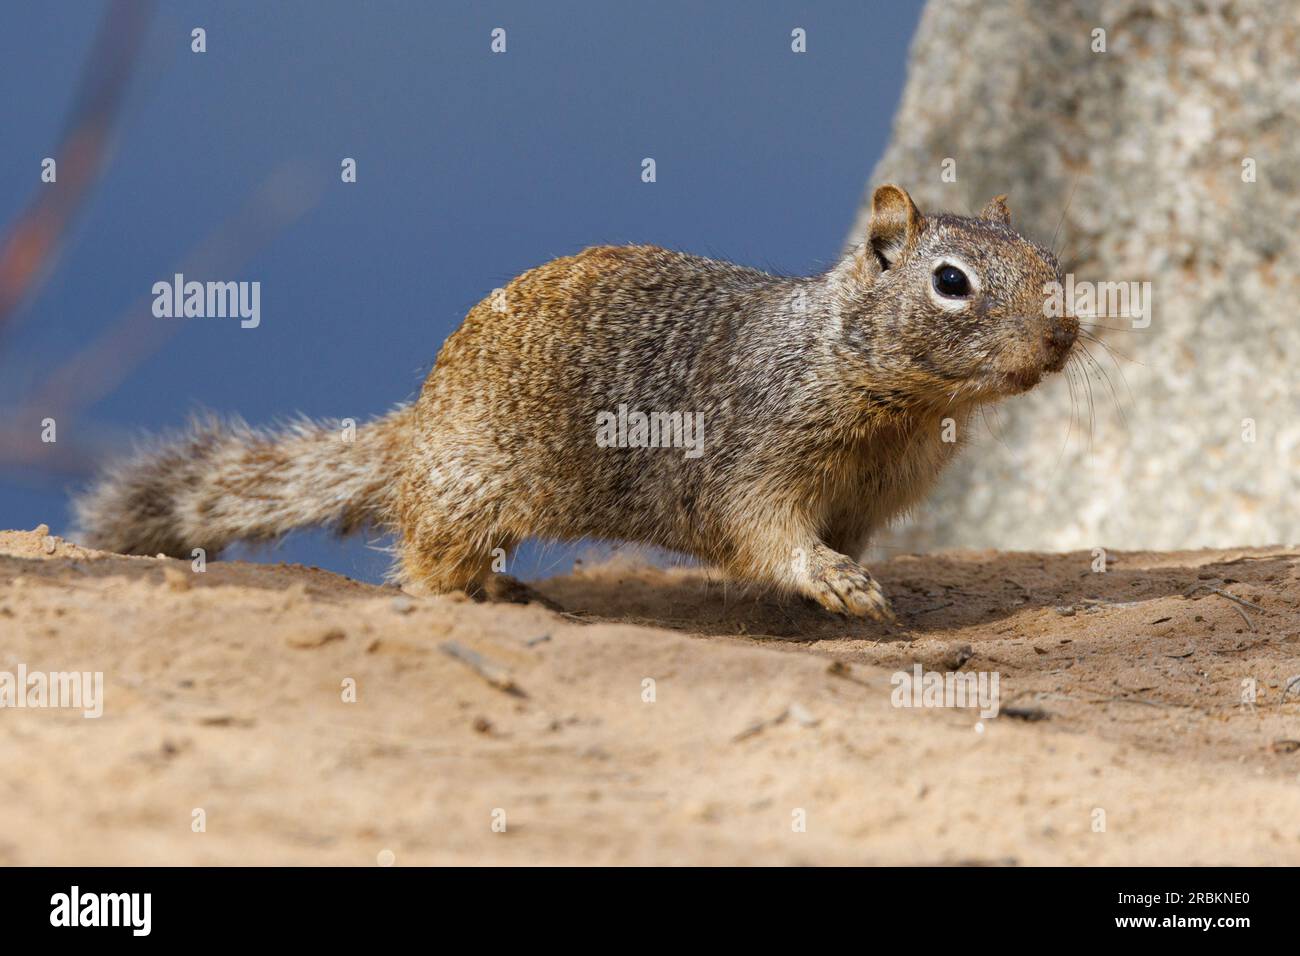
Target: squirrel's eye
951	281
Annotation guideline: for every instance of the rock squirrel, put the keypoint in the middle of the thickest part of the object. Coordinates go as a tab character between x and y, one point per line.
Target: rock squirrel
812	411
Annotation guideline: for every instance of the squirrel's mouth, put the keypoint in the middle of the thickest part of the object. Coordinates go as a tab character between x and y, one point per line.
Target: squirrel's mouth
1058	361
1018	373
1021	380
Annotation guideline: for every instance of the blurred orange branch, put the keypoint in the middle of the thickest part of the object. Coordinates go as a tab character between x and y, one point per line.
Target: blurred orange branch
28	253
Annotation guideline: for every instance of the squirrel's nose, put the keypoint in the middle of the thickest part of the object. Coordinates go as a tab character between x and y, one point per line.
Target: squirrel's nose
1058	341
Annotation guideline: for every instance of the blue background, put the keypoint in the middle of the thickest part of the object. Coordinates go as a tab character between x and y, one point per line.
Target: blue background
472	167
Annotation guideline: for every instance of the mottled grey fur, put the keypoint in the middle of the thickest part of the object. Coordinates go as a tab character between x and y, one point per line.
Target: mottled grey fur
824	402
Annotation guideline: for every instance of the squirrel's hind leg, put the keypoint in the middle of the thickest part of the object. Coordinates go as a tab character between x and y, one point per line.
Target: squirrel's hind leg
435	561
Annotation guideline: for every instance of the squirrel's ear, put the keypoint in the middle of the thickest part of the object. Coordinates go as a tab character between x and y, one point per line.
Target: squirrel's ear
997	211
895	222
861	267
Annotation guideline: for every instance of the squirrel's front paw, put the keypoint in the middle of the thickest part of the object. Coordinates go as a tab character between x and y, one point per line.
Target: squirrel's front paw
847	588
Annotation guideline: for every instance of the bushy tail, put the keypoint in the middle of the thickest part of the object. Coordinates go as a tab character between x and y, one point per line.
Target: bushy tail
218	483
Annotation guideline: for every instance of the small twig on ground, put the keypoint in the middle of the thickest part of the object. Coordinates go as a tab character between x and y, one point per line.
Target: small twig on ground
844	671
1110	700
1138	700
937	607
761	725
498	677
1030	714
1293	682
795	712
1231	597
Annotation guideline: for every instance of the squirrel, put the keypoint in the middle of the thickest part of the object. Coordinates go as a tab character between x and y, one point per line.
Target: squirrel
827	407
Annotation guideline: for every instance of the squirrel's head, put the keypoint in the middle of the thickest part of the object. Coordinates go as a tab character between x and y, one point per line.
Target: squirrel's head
948	308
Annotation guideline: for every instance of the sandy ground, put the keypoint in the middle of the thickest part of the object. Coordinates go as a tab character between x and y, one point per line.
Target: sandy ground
770	737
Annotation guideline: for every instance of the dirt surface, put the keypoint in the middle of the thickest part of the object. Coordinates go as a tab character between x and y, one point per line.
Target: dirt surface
768	735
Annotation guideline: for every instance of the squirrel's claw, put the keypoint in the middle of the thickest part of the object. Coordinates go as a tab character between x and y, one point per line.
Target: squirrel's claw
849	589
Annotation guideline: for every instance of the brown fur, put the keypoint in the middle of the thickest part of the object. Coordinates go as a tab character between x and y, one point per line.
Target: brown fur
823	402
